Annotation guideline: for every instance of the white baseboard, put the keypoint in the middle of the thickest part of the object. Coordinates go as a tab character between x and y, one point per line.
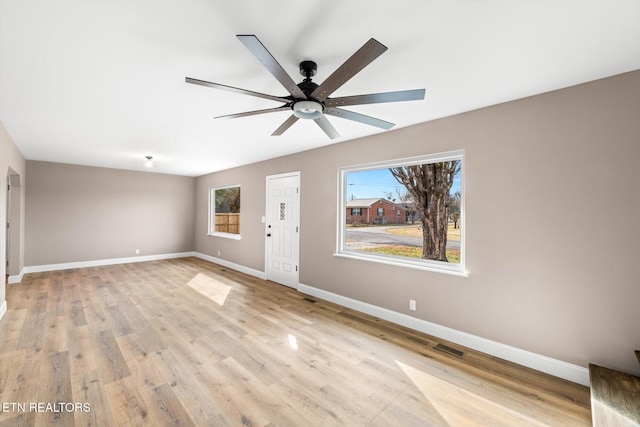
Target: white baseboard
3	308
17	278
100	262
241	268
558	368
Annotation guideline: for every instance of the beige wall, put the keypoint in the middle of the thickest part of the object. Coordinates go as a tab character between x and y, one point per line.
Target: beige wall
552	208
81	213
12	163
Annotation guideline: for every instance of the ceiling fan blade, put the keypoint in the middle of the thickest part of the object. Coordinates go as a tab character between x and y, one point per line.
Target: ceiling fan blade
363	57
235	89
327	127
357	117
253	113
374	98
262	54
284	126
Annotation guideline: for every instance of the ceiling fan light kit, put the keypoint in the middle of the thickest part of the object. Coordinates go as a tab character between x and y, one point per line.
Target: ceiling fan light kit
310	101
307	110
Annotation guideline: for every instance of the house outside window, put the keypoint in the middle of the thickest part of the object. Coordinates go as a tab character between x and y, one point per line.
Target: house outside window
356	211
380	211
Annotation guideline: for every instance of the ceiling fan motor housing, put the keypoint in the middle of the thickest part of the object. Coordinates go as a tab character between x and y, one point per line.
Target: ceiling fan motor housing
307	86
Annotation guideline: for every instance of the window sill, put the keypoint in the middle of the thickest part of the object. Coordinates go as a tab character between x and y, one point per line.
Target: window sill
434	266
226	235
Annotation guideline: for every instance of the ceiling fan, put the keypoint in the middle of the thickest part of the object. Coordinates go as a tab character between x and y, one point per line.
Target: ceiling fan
308	100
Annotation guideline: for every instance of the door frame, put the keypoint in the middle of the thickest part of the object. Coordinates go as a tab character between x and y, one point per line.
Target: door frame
7	229
266	220
13	259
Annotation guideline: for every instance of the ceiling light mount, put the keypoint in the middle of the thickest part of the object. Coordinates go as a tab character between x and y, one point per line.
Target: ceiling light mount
148	162
308	69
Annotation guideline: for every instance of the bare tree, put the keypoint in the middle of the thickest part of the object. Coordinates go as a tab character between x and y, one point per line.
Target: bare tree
404	199
389	196
430	186
454	208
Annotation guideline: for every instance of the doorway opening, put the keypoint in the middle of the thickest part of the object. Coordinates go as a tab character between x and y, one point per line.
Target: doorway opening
12	228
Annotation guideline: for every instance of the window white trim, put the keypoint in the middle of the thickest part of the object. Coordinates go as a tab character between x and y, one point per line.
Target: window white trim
429	265
211	229
225	235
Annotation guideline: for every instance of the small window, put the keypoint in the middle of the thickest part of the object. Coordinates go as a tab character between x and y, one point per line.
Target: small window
356	211
427	195
225	212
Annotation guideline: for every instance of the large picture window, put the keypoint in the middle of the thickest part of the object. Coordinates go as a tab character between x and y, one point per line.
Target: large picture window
225	212
411	212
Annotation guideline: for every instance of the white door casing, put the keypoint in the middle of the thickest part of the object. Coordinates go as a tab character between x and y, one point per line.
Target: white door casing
282	228
7	251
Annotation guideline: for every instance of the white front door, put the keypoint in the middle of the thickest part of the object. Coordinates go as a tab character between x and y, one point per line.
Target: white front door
283	228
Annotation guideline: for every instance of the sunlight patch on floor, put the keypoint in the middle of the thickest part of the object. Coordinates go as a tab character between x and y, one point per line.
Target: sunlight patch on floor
460	407
210	288
293	342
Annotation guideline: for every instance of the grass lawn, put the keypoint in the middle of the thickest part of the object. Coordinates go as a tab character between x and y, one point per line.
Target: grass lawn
416	231
453	255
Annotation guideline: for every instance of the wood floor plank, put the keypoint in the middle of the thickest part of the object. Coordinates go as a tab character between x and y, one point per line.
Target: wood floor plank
19	377
118	323
90	392
56	336
14	322
83	356
56	303
142	347
173	413
253	399
111	363
132	350
33	330
95	315
306	403
401	409
22	419
76	312
56	393
191	386
127	405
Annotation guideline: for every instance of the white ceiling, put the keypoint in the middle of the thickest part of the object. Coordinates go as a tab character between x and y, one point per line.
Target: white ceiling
102	83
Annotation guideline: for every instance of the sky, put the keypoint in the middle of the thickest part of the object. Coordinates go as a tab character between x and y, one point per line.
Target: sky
377	183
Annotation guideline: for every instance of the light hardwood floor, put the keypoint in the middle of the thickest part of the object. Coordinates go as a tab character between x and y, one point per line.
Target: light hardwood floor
188	342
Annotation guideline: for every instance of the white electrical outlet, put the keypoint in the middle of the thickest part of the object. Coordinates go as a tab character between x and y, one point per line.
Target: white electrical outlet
412	305
137	251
